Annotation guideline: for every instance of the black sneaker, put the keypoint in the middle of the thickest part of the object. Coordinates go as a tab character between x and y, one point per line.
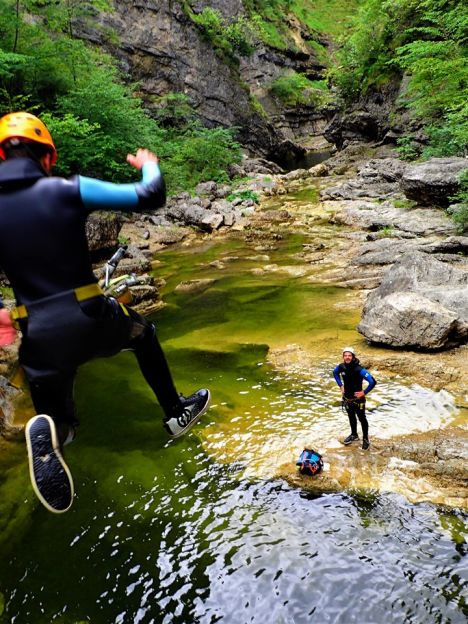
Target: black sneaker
191	410
351	438
50	476
365	444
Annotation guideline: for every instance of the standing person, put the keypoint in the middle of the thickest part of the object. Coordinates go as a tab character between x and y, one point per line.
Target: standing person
64	317
349	376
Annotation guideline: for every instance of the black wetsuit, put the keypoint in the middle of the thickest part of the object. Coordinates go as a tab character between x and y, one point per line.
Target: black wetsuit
44	253
351	376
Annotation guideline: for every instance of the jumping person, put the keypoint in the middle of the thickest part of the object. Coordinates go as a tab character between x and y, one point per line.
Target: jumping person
64	317
349	376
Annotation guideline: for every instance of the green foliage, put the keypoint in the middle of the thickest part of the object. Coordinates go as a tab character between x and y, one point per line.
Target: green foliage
117	119
123	240
451	137
244	195
460	215
439	75
240	37
199	154
294	89
270	21
324	16
364	53
94	117
257	106
40	55
405	204
459	210
386	231
427	41
78	142
173	110
11	63
230	38
88	145
271	33
406	148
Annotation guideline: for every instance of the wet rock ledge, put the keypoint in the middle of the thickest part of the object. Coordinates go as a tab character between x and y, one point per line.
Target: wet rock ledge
430	466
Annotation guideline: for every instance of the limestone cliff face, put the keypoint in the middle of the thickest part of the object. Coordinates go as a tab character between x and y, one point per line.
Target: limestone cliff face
160	46
378	115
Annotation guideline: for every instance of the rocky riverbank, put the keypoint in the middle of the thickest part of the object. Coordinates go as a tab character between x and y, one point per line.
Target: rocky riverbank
407	266
368	237
430	466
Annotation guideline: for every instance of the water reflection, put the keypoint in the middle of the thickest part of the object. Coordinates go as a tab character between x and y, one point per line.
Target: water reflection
261	548
309	159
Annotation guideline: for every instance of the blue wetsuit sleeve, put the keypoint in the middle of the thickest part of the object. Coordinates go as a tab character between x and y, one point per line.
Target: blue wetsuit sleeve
370	380
336	375
149	194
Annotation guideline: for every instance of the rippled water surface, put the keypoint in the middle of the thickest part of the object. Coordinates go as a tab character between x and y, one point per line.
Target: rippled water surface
199	530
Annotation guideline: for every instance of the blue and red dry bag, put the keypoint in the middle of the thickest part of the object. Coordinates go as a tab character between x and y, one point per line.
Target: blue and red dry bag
310	462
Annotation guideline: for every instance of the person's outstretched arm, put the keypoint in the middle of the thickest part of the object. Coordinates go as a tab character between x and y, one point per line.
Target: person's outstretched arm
148	194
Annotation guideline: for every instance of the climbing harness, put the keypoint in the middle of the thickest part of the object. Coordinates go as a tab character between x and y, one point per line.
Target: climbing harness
111	265
119	286
347	402
82	293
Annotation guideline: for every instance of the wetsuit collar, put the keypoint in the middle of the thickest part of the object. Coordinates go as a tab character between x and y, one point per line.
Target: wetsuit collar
352	364
18	172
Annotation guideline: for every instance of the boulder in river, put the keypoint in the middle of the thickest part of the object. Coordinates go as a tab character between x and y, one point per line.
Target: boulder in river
421	303
433	182
102	230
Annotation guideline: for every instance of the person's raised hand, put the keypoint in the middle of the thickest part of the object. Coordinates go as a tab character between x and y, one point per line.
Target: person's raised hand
141	157
7	331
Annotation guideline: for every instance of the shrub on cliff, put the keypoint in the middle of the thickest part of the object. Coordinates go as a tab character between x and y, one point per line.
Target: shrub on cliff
232	38
95	117
426	40
460	209
294	89
95	127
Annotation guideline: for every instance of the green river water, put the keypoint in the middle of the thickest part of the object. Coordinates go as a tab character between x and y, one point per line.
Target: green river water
200	529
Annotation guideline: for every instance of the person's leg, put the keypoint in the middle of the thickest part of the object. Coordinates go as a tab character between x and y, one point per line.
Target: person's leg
181	413
54	396
361	414
155	369
46	434
351	411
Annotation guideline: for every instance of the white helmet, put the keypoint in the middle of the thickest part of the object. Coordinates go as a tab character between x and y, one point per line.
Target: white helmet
349	350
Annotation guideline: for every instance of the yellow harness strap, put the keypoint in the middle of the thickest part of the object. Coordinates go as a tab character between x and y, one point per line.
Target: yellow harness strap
88	292
82	293
19	313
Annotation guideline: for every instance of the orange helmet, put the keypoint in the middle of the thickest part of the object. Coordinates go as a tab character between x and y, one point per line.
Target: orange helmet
25	126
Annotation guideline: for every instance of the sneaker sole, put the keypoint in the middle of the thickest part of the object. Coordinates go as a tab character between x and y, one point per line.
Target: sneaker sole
50	476
350	442
194	421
